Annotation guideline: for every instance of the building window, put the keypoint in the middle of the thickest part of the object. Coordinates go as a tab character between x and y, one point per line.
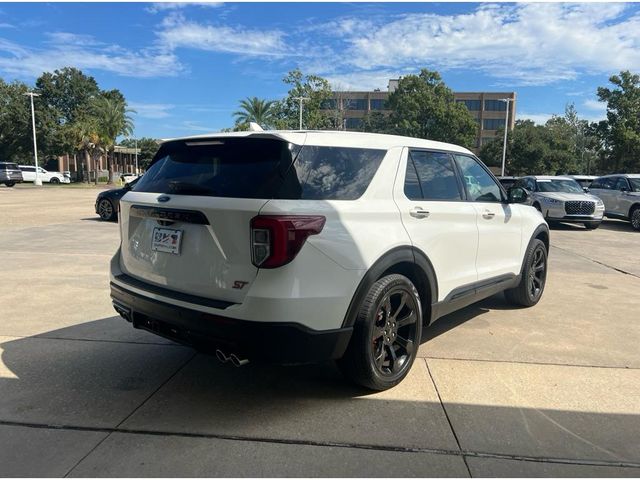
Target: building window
329	104
353	123
355	103
378	104
495	106
493	123
472	105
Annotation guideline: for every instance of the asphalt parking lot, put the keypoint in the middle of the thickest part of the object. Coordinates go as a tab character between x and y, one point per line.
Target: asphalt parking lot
548	391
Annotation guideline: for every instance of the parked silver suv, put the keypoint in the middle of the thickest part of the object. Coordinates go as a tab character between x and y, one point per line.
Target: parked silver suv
562	199
621	196
10	174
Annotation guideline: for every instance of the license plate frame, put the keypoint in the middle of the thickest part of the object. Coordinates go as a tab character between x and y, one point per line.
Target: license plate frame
166	240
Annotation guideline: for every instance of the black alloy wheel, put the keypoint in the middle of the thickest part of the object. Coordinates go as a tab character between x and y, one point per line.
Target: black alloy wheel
386	334
534	276
106	210
54	180
635	218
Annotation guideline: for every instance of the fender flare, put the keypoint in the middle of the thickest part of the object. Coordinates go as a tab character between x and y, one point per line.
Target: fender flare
403	254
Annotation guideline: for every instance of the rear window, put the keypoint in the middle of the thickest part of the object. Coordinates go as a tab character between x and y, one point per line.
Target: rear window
9	166
260	168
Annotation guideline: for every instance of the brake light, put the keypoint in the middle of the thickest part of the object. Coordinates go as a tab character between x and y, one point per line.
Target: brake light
277	239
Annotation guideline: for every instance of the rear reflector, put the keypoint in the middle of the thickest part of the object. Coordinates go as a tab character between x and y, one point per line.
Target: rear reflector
277	239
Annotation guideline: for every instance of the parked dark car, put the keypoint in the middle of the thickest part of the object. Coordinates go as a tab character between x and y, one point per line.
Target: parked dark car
108	201
507	182
10	174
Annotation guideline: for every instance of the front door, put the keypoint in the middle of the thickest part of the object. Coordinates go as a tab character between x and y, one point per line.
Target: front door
499	223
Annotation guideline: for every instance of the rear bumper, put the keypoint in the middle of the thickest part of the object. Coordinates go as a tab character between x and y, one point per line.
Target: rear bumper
15	178
277	342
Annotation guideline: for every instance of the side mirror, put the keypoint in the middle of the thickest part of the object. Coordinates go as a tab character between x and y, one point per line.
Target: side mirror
624	189
518	195
586	189
127	187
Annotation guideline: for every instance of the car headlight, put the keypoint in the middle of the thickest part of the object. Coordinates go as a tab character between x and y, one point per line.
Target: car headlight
552	201
600	203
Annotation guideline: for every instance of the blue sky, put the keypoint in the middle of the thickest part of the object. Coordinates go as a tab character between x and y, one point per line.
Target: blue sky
184	67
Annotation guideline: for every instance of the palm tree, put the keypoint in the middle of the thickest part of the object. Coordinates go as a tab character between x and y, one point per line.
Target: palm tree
113	120
86	138
254	109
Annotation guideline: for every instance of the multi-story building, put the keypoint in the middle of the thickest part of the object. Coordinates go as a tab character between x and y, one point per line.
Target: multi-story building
488	109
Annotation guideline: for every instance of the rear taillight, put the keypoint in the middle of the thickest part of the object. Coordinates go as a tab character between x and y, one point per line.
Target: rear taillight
277	239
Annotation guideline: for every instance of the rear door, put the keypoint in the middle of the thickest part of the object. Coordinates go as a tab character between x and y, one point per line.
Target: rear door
28	173
185	225
439	222
499	223
603	188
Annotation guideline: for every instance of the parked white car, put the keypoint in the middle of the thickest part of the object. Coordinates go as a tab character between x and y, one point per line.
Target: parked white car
305	246
29	174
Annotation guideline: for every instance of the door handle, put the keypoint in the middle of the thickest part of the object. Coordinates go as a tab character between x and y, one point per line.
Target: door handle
488	215
419	213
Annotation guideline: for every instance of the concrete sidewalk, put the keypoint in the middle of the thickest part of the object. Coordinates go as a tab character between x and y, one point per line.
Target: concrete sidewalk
548	391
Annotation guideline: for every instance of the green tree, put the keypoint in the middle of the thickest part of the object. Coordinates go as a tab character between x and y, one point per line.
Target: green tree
377	122
86	138
312	87
424	107
621	132
254	109
148	148
112	118
15	122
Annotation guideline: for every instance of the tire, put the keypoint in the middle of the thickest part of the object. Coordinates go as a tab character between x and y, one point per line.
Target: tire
591	226
386	335
534	277
10	184
54	180
634	218
106	210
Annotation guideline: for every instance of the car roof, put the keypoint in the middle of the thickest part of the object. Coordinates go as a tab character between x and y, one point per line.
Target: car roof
551	177
627	175
337	139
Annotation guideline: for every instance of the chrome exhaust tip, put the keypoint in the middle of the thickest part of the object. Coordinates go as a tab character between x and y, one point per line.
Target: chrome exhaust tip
221	356
238	362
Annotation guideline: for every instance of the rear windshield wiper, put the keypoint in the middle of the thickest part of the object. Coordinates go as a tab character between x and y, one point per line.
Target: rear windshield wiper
189	189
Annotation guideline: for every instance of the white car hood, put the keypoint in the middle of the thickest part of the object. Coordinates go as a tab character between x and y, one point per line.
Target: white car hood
568	196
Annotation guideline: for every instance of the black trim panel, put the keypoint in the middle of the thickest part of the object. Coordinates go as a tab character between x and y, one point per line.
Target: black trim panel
166	292
472	293
279	342
168	214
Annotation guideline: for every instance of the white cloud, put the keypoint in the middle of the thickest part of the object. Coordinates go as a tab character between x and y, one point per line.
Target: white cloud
528	44
81	51
151	110
177	32
165	6
595	105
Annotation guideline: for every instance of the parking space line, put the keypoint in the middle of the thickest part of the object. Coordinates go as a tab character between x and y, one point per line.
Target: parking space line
619	270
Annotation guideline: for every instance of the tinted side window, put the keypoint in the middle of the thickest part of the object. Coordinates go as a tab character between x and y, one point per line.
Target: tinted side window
436	174
336	173
480	186
603	183
412	188
28	169
621	183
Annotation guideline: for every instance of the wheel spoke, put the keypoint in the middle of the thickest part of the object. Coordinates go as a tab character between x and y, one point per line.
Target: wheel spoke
392	351
377	332
379	359
407	320
403	302
387	306
406	344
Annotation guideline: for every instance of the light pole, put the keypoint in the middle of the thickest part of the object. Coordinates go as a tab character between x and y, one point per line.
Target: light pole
506	128
37	180
301	99
136	147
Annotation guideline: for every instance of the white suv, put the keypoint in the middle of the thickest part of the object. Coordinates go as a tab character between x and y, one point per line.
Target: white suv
302	246
29	174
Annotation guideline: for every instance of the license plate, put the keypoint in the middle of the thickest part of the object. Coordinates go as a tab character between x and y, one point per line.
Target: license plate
166	240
